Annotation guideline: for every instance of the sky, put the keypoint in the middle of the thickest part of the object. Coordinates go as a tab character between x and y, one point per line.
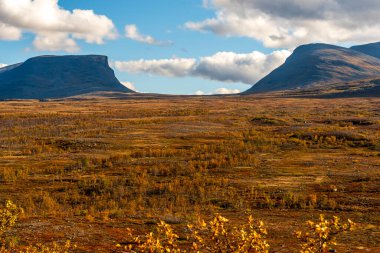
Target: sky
183	46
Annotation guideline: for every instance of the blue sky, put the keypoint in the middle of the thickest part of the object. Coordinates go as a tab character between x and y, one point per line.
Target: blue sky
182	46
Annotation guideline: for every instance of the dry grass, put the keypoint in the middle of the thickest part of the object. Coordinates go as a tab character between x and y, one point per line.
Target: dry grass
87	170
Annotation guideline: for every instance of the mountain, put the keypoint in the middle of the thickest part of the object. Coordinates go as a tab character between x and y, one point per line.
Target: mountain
372	49
319	64
359	88
57	77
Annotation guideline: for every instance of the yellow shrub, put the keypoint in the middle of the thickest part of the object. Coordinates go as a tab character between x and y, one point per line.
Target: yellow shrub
322	235
218	236
55	248
8	216
214	236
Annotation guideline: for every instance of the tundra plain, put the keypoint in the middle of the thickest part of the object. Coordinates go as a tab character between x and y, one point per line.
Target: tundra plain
86	170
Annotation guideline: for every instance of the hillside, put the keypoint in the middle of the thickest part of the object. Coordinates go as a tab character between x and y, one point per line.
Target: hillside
360	88
57	77
319	64
372	49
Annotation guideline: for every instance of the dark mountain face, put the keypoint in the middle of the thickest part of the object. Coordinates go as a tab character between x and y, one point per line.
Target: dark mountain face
57	77
319	64
359	88
372	49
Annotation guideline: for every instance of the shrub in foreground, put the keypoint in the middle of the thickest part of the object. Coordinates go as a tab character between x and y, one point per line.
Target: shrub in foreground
9	214
217	235
321	235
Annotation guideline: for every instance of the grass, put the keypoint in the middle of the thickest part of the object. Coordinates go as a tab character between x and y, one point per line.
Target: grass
88	170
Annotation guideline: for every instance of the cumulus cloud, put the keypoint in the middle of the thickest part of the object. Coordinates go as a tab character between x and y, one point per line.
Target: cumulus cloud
9	32
132	32
289	23
2	65
163	67
244	68
129	85
55	42
225	91
55	28
219	91
222	66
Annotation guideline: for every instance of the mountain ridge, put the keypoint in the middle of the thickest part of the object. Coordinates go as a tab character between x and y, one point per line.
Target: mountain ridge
372	49
318	64
50	76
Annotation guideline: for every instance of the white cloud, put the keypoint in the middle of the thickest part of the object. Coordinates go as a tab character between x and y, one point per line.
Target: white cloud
55	28
129	85
244	68
225	91
2	65
222	66
9	32
164	67
289	23
219	91
55	42
132	32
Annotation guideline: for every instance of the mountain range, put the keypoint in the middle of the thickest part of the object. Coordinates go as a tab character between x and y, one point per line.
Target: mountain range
318	69
322	65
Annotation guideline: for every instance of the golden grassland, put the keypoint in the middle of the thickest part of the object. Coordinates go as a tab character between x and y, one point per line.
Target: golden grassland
89	170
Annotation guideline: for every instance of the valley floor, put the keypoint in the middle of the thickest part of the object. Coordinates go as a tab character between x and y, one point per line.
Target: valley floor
86	170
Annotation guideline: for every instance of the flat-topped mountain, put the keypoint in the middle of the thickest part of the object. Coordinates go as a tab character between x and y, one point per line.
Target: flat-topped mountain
372	49
57	77
319	64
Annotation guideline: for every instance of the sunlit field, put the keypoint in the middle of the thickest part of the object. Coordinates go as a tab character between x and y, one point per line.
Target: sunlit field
94	170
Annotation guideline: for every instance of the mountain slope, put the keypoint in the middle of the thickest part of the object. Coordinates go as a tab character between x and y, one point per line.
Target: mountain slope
57	77
359	88
372	49
319	64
